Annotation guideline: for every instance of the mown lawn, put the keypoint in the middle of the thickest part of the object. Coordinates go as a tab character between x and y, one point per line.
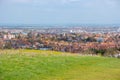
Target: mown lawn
51	65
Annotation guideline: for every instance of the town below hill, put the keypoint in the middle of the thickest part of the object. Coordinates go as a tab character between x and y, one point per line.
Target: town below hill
103	41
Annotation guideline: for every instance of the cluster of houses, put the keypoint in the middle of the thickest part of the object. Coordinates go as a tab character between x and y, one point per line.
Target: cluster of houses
78	43
65	42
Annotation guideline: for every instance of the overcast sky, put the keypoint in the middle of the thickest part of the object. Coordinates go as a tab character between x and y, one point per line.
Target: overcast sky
59	11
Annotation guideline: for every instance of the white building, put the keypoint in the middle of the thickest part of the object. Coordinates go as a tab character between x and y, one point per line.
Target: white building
8	36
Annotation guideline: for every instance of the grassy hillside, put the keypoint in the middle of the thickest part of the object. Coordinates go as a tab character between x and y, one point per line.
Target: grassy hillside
51	65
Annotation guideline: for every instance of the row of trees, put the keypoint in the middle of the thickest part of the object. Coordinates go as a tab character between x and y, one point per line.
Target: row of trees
70	43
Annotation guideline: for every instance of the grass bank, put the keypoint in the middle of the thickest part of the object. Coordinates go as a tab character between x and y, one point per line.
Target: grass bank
51	65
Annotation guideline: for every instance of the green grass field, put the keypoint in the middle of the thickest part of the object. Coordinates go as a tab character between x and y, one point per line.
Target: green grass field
51	65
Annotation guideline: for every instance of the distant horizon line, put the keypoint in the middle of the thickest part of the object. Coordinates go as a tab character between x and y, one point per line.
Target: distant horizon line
56	24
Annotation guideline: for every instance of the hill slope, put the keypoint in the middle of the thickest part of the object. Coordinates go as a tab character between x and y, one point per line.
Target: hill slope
51	65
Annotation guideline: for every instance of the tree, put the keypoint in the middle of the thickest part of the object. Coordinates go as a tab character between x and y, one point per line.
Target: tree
8	45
